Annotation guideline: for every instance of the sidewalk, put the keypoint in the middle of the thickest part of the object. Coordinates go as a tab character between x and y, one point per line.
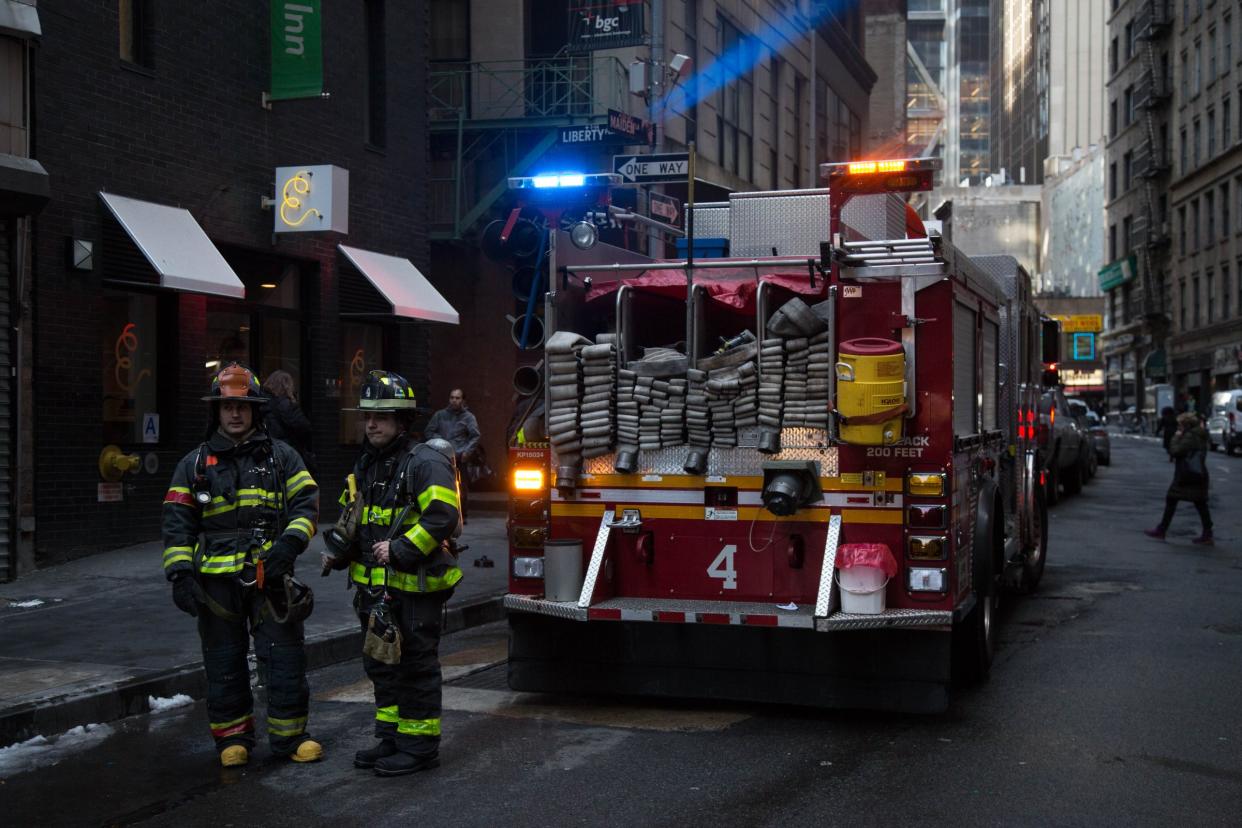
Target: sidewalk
89	641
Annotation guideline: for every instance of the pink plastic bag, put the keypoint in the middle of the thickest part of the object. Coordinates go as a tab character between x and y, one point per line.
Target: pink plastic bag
876	555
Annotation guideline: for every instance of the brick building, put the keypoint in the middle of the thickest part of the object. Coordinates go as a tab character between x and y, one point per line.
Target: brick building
143	106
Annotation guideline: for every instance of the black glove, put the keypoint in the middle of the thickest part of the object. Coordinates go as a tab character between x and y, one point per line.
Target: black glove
183	593
278	562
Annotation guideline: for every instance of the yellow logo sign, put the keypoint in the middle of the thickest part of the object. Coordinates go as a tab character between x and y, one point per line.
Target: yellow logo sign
1081	323
292	196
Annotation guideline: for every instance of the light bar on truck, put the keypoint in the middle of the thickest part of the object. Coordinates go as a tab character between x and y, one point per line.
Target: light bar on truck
564	181
527	480
896	165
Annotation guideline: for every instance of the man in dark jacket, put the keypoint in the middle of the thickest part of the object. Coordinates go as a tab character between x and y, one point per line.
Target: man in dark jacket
457	425
1189	449
403	573
237	500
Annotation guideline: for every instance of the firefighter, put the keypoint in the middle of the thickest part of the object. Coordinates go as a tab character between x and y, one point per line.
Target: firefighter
397	550
240	510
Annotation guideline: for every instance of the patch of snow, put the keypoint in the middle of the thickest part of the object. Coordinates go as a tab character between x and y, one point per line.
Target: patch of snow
41	751
159	705
33	602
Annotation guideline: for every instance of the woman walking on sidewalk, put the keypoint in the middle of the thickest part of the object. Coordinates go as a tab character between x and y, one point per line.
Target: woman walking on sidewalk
1189	448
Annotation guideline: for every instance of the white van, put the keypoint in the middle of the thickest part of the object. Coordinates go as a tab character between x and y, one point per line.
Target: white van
1225	420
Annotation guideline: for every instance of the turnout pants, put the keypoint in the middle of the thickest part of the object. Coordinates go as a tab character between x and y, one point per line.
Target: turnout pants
407	695
282	668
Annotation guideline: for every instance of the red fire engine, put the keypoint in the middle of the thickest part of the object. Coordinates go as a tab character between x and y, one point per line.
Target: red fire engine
727	433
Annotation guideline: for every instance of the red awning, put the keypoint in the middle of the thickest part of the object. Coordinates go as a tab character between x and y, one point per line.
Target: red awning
733	287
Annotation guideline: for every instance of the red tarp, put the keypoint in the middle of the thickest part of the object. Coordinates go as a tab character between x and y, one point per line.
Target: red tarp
732	287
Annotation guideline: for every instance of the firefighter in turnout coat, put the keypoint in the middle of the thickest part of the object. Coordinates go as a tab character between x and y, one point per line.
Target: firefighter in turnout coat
237	500
400	564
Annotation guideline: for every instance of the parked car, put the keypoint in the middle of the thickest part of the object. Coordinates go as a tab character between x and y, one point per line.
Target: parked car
1225	420
1082	415
1065	446
1099	438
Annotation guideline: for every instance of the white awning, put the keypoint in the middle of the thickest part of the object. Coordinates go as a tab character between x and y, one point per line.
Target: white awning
176	247
400	283
19	19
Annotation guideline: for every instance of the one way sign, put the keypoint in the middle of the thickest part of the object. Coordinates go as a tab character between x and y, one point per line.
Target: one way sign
647	169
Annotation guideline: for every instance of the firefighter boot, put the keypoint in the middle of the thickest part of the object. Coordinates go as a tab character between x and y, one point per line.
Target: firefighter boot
234	756
366	759
308	751
399	764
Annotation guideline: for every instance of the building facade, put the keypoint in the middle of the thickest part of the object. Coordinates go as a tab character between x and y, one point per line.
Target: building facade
770	90
1205	331
1072	227
156	259
1145	70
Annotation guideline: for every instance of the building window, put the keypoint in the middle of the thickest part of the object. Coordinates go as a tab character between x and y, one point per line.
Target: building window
1194	226
1181	305
1211	55
1129	40
377	75
1194	298
1209	207
129	346
1127	166
1112	56
691	85
1129	105
1112	180
1112	242
1196	81
1224	210
800	92
1226	301
362	351
1225	137
735	118
1238	293
135	31
1211	132
1127	228
1181	230
1185	153
1226	45
1197	141
1209	276
1185	76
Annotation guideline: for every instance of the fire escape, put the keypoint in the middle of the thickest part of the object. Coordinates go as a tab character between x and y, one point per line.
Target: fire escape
1150	236
495	119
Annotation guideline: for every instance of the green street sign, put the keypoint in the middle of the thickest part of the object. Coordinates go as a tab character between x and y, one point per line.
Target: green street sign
1118	273
297	50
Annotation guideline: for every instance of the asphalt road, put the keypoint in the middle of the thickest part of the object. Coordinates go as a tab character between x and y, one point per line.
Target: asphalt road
1114	699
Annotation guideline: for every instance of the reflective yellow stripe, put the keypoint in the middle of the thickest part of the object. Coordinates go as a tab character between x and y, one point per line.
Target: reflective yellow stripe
418	727
176	554
437	493
237	721
299	482
386	714
422	539
179	489
404	581
286	727
222	564
344	498
304	526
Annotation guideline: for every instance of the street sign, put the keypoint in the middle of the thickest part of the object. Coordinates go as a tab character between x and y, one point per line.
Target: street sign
640	131
650	169
592	134
665	208
1081	323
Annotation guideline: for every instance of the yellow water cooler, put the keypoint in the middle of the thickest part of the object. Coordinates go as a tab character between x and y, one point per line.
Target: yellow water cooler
871	391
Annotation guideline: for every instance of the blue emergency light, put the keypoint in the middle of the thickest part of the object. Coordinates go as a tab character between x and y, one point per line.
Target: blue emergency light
564	181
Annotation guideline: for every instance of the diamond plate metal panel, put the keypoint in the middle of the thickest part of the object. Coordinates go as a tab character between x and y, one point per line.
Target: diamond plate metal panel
889	618
597	559
879	216
796	444
792	221
823	602
711	220
525	603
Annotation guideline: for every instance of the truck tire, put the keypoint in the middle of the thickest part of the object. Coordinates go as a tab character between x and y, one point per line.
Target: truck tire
1052	490
1036	556
974	636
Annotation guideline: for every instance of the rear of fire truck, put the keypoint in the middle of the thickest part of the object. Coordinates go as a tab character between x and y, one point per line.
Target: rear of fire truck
725	434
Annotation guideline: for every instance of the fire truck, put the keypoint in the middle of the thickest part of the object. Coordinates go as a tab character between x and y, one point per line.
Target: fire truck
724	432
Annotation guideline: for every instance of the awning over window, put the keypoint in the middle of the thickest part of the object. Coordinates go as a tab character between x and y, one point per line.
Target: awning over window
20	19
176	247
402	286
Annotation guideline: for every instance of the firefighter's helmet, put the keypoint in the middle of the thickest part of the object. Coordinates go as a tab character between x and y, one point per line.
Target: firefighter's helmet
386	391
235	382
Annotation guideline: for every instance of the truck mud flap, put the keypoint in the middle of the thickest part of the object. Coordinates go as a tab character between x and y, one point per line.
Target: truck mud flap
904	670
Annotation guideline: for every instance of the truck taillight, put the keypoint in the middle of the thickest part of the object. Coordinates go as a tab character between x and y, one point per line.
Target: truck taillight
926	484
928	547
926	516
528	479
925	579
527	567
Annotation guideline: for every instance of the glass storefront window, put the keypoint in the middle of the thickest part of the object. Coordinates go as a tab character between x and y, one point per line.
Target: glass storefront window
228	340
362	351
128	349
280	348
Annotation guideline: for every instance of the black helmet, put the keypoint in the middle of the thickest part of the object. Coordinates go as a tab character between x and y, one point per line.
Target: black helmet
235	382
386	391
293	602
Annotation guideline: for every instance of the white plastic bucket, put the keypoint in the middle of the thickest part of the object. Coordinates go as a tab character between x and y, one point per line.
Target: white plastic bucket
562	569
862	590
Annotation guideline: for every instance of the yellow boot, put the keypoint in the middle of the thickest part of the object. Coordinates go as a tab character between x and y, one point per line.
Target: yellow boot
234	756
308	751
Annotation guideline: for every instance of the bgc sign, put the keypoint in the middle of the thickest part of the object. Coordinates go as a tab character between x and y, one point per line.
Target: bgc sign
605	24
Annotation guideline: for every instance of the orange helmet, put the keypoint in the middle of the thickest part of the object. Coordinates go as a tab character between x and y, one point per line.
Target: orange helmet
235	382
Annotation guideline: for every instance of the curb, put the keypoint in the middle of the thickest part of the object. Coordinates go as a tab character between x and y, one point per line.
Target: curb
110	702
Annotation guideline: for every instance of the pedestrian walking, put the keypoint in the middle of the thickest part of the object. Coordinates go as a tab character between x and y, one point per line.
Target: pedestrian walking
393	536
457	424
1168	427
285	420
1189	448
239	511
